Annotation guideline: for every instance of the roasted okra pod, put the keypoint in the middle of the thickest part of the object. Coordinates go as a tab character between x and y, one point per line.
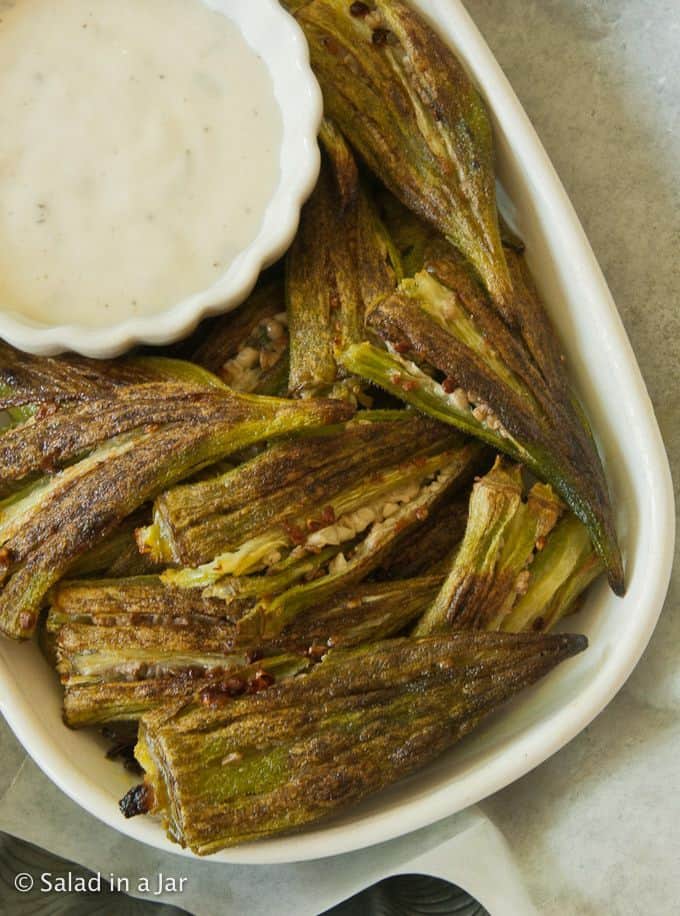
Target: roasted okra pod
340	265
447	353
223	770
77	468
522	563
408	107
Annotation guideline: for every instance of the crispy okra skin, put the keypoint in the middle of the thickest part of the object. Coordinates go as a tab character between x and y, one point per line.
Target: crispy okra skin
222	771
339	266
125	647
290	483
406	104
449	356
522	563
112	445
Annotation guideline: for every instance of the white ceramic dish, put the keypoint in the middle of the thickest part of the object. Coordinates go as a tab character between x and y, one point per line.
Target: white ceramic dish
277	38
541	721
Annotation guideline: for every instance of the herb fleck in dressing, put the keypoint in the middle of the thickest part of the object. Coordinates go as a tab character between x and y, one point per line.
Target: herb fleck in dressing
139	147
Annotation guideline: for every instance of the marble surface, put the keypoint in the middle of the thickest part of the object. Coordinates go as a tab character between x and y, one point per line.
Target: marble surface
596	829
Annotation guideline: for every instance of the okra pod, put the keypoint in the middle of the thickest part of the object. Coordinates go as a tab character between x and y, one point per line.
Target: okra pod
452	358
222	771
339	266
124	647
131	445
559	575
522	564
491	566
406	104
248	348
290	485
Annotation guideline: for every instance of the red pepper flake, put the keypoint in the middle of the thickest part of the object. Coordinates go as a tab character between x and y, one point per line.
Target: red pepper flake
235	685
314	524
316	652
403	382
220	694
261	681
5	558
194	672
328	516
381	37
421	513
46	410
449	385
359	10
48	465
295	533
402	347
27	620
331	45
315	574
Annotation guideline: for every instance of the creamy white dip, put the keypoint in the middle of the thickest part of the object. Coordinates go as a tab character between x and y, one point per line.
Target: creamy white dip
139	147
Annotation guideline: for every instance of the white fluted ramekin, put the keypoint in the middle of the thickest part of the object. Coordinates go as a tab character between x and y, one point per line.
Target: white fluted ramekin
277	38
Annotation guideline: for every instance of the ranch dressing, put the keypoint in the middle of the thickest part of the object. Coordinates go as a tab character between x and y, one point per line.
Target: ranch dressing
139	147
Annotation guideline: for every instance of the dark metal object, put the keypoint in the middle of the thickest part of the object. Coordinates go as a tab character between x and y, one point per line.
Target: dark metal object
410	895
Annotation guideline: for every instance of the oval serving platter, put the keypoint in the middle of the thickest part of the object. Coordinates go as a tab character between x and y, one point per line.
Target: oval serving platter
541	721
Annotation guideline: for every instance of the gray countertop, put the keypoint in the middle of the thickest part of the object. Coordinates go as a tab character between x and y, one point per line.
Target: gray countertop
596	829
